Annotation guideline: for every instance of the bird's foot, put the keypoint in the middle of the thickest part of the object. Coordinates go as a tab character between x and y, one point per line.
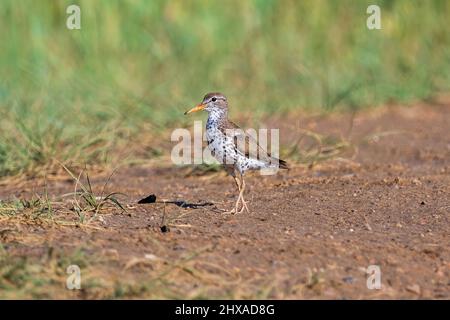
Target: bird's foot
244	206
225	211
235	210
240	203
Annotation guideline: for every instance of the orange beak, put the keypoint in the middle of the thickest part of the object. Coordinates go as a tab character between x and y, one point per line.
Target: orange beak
198	107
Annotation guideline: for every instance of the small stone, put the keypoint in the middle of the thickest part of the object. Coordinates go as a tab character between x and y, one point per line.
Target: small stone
348	279
415	288
111	253
150	256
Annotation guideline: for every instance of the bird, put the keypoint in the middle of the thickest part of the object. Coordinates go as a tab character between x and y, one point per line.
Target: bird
236	150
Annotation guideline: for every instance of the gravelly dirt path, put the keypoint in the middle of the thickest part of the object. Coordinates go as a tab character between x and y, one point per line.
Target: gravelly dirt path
312	232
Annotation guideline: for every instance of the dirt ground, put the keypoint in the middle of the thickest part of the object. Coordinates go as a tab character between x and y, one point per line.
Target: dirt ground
382	197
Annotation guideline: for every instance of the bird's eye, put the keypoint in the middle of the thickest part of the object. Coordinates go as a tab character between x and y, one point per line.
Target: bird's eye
214	99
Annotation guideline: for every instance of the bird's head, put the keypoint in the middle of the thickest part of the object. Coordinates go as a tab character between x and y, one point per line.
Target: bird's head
212	102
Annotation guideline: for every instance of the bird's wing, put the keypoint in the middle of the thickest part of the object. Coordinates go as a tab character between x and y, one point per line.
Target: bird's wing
247	145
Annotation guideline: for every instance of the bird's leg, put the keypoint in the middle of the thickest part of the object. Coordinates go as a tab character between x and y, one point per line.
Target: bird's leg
239	186
241	196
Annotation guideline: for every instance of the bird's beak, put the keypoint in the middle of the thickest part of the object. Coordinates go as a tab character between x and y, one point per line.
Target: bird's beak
198	107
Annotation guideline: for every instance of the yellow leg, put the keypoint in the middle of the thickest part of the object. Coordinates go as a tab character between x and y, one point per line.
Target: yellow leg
236	206
241	196
238	184
241	187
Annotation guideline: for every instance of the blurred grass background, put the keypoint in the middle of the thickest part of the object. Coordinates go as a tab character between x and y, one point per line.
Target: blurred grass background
136	65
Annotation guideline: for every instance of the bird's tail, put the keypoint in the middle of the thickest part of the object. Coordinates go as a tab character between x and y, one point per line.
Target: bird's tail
281	163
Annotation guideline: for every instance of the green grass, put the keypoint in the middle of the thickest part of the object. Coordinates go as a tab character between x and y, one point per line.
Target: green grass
86	201
135	66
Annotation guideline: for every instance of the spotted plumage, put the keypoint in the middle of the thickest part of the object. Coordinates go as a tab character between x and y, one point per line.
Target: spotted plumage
236	150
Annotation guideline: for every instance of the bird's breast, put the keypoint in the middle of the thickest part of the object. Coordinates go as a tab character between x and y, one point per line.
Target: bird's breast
220	145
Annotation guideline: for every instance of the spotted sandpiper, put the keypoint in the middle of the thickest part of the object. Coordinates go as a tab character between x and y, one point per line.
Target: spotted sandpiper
231	146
